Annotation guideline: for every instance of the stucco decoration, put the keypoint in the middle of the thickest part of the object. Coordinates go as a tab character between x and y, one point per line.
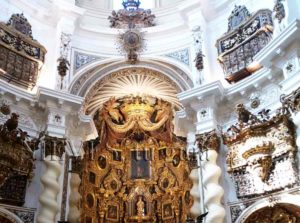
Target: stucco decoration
261	152
182	56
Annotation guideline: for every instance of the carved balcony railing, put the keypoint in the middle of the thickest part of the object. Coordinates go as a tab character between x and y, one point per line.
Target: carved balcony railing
21	57
246	36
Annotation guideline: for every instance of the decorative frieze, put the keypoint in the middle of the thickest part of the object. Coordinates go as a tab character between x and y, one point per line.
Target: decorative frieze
82	59
182	56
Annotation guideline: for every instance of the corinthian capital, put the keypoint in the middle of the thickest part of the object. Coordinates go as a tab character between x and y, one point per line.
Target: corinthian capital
208	141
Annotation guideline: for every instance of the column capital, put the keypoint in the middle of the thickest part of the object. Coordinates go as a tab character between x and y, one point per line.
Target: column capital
208	141
53	146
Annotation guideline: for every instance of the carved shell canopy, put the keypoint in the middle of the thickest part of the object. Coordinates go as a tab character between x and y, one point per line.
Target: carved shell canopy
135	82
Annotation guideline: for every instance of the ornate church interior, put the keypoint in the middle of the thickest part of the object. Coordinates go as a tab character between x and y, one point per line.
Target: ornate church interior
149	111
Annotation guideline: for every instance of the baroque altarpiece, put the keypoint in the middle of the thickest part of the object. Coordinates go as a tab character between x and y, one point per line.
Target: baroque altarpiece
138	171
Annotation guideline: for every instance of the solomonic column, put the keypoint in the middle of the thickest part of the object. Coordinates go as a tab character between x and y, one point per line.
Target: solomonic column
53	149
209	144
75	197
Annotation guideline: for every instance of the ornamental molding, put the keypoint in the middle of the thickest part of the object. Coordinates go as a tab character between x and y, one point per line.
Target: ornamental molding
241	210
182	56
121	74
82	59
81	84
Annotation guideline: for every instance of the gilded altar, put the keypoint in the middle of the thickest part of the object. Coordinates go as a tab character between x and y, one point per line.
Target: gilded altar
137	171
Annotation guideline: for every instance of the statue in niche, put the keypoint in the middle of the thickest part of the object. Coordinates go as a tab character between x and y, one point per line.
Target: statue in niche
140	207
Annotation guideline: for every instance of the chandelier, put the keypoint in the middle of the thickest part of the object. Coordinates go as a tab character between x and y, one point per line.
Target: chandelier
131	5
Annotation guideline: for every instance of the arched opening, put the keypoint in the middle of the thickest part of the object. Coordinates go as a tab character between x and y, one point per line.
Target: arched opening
279	213
131	169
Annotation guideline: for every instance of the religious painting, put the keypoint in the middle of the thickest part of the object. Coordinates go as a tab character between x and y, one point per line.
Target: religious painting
117	155
176	160
162	153
112	213
90	200
167	211
92	177
88	219
102	162
140	165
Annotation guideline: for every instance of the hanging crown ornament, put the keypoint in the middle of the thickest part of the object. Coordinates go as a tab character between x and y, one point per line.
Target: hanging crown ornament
131	5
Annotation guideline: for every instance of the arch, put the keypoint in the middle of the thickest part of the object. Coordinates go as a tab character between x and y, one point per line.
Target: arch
11	217
97	70
287	199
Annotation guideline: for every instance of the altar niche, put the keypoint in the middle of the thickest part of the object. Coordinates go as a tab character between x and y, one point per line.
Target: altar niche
140	164
141	172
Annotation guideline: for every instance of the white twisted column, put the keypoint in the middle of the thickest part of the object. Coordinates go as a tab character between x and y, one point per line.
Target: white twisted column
75	197
195	176
48	198
53	148
213	192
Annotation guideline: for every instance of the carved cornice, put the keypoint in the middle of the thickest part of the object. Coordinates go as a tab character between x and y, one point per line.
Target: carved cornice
208	141
250	125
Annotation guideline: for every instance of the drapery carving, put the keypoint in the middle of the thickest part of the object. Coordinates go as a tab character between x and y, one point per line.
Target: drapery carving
140	171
